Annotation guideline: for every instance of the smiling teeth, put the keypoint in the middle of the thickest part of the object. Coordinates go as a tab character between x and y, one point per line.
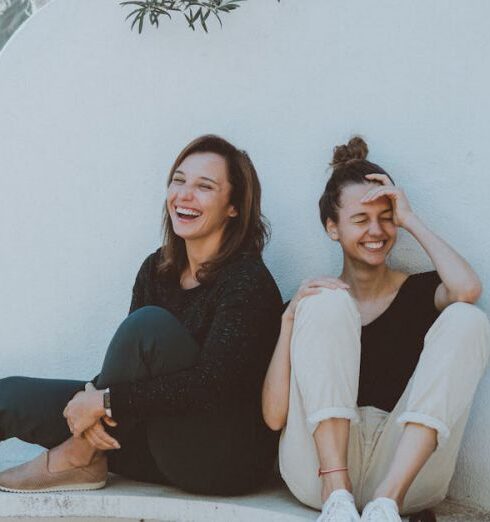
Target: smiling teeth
376	245
187	211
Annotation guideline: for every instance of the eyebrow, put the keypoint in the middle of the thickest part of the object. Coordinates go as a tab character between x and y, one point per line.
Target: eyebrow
363	214
209	179
200	177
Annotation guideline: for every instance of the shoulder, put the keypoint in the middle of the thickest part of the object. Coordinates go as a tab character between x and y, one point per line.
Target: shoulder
423	280
150	263
244	267
247	273
420	290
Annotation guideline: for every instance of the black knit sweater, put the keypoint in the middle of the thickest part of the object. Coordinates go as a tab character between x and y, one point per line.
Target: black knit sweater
235	319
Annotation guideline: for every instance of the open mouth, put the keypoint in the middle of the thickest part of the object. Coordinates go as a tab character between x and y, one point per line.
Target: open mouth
187	214
374	246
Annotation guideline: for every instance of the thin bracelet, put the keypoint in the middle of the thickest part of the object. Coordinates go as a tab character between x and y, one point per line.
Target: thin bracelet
326	471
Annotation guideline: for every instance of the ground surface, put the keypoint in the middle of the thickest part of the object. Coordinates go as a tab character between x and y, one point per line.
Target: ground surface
133	501
130	501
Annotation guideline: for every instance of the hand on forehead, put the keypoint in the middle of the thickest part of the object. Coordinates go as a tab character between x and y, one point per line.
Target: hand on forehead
353	194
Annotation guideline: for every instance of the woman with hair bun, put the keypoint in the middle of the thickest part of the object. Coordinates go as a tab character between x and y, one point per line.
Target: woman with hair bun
177	400
374	372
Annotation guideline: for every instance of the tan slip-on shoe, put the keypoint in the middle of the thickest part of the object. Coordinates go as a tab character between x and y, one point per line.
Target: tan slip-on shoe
35	477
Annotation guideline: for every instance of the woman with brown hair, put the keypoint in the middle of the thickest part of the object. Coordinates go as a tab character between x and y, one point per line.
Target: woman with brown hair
374	372
178	398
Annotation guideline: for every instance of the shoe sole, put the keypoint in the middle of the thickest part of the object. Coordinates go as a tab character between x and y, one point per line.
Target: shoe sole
53	489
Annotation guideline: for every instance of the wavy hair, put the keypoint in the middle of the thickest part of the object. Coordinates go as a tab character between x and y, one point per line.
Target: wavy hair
247	233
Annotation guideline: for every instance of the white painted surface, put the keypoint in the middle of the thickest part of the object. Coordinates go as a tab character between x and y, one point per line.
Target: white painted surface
135	500
128	501
93	115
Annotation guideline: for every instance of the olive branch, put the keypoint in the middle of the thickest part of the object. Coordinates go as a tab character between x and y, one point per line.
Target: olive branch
194	11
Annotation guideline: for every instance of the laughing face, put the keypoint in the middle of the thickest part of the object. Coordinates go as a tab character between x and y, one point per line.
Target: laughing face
198	197
365	231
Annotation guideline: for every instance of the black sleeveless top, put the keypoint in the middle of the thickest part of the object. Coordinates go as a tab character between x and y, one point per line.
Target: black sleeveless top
391	344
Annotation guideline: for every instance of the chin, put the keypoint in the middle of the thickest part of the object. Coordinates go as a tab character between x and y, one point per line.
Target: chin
376	263
186	236
370	261
189	235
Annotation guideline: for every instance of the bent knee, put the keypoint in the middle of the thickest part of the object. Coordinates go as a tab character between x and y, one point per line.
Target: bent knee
466	311
144	318
472	323
148	313
468	316
327	306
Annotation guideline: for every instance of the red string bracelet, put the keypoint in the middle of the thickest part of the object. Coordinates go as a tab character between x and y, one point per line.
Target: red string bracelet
326	471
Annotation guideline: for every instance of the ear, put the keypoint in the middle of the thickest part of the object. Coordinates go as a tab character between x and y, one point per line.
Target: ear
331	228
232	211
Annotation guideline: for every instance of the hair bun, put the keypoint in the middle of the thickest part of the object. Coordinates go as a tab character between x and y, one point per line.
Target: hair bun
356	149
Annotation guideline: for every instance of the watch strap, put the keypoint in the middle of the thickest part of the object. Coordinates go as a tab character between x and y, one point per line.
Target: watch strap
107	402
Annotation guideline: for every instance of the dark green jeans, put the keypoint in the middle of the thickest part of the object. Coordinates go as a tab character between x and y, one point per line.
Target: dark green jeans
214	452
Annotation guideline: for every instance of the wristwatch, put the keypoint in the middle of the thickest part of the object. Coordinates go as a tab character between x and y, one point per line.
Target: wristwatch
107	402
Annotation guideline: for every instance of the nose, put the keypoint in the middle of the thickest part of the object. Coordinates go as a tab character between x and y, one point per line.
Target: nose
185	192
375	228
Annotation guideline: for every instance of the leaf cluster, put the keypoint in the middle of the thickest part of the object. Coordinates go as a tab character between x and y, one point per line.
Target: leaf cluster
196	12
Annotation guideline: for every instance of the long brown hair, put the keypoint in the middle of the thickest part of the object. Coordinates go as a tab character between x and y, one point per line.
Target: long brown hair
350	166
247	233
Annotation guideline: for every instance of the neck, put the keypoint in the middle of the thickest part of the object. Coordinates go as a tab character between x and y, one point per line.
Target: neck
366	282
201	250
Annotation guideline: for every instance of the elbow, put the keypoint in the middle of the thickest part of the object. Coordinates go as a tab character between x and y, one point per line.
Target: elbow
477	291
471	293
274	406
274	423
273	418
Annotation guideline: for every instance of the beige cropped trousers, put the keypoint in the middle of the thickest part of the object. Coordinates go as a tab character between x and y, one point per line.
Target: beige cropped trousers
325	360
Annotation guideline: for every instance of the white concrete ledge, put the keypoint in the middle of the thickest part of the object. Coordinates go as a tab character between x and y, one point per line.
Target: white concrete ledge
125	499
122	498
130	501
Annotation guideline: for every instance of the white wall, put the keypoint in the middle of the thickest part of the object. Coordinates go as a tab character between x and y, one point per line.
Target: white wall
92	115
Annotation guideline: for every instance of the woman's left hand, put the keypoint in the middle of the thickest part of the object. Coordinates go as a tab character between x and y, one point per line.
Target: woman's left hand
84	409
401	207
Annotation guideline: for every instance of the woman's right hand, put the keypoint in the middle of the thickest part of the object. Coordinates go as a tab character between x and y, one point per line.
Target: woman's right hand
312	287
98	438
96	435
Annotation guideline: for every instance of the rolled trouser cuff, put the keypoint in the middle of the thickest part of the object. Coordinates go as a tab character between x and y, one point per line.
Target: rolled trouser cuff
318	416
428	421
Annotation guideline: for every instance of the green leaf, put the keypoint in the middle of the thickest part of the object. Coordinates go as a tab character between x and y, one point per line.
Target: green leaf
193	10
139	16
131	13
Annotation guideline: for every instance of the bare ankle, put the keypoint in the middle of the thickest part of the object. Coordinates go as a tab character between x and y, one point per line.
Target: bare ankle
79	461
333	481
386	491
73	453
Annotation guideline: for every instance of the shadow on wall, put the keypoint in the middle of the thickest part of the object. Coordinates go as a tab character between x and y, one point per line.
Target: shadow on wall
13	13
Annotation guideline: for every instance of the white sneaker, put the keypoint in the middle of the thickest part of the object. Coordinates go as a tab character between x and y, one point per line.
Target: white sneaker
381	510
339	507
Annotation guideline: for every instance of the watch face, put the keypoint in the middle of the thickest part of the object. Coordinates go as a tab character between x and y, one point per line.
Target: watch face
107	400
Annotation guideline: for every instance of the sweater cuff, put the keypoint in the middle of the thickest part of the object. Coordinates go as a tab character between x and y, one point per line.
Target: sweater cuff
121	401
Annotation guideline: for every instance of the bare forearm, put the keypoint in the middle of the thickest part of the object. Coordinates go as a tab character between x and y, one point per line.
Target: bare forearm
460	280
275	392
